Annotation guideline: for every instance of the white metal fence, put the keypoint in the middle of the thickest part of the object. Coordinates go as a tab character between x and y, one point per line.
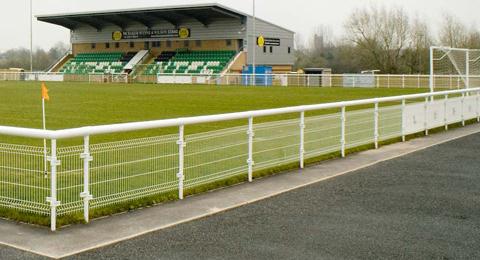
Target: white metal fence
303	80
62	77
90	176
298	80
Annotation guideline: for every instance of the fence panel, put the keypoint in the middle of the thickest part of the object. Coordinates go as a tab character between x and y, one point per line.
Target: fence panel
359	128
133	169
322	135
69	180
276	143
214	156
390	122
436	113
24	183
454	110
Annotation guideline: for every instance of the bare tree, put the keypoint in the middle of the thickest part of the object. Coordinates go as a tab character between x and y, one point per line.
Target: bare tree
380	35
20	58
453	32
417	53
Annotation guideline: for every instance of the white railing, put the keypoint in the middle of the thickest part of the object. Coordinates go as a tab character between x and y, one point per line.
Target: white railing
304	80
440	82
91	176
62	77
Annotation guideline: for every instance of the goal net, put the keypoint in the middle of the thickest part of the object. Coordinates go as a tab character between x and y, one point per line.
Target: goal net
453	68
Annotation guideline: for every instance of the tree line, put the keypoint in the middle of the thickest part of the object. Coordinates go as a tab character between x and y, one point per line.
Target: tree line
42	59
384	39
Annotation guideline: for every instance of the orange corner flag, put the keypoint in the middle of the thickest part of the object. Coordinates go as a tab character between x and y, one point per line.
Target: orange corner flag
45	92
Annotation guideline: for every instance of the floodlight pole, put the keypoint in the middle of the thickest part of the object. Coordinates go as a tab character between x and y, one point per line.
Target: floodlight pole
254	45
31	36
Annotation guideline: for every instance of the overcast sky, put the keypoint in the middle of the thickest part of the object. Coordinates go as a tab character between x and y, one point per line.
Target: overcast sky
300	15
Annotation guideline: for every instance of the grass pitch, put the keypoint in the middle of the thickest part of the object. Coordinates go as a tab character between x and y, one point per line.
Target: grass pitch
212	160
83	104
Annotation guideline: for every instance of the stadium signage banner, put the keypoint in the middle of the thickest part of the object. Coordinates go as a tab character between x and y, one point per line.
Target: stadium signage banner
182	33
262	41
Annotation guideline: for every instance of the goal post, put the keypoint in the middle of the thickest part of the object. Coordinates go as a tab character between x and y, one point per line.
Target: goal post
454	68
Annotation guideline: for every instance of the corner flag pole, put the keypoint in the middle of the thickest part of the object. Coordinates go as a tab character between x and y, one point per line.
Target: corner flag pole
44	124
44	140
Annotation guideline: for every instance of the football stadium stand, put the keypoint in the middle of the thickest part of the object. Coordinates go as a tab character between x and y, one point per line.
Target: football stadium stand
198	38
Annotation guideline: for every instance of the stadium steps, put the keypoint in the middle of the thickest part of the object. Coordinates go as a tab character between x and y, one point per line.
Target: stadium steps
61	62
237	63
136	58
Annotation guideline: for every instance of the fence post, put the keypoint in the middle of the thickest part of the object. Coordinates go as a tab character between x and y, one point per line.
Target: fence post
376	132
250	161
418	81
403	80
478	106
388	81
53	185
342	138
87	158
378	81
181	160
302	140
403	121
426	115
463	109
446	112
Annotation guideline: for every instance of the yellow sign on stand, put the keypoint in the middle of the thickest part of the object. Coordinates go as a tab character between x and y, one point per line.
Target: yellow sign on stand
261	41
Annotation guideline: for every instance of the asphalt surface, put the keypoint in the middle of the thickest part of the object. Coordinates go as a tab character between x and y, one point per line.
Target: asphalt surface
425	205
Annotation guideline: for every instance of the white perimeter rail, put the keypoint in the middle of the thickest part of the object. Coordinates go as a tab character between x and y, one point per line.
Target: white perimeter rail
441	82
436	109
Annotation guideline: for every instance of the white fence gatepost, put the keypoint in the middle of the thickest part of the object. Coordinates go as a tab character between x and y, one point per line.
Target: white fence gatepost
463	109
403	120
478	105
181	160
375	120
445	104
426	115
54	162
250	161
87	158
342	138
302	140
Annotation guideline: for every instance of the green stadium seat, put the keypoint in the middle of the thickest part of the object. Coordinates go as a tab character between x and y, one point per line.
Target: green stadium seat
85	63
194	62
